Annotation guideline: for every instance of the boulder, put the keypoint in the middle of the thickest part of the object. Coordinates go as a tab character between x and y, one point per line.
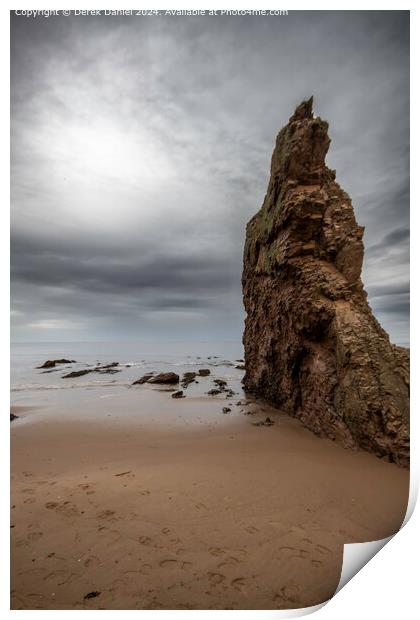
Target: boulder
143	379
165	377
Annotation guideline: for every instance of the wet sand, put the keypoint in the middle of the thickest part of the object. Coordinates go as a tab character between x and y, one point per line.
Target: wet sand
177	506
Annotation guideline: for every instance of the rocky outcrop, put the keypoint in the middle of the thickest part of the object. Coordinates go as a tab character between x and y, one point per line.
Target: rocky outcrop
108	369
53	363
312	345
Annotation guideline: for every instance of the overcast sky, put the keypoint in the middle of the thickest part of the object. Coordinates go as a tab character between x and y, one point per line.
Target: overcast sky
141	147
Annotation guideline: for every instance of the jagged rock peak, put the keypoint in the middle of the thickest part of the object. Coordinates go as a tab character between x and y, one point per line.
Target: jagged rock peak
303	110
312	345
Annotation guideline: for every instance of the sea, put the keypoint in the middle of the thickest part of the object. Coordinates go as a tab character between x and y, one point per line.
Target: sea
47	390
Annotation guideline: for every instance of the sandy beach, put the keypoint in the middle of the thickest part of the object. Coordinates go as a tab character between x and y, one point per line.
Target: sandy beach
112	508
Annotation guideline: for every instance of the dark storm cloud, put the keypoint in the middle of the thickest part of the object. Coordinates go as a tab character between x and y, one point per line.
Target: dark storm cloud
109	274
400	236
141	147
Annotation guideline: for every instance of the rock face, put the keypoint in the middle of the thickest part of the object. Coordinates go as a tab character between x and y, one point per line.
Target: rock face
312	345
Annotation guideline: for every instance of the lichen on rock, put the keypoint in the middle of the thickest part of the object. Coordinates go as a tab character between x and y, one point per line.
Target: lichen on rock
312	345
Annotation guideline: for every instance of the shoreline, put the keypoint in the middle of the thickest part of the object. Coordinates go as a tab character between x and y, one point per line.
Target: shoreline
183	513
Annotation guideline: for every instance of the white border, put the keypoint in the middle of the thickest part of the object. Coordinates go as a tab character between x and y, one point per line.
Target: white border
386	586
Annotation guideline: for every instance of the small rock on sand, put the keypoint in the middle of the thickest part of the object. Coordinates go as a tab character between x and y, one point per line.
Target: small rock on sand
13	416
226	410
204	372
266	422
189	377
178	394
93	594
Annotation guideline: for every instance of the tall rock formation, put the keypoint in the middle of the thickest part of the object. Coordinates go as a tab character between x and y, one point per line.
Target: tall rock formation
312	345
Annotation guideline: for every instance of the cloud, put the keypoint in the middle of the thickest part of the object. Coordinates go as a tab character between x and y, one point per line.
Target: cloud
141	148
54	324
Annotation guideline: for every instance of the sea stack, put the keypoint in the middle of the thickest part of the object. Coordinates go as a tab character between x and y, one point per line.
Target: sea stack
312	345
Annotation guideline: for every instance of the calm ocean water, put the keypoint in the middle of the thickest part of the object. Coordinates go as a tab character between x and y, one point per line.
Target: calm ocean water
30	385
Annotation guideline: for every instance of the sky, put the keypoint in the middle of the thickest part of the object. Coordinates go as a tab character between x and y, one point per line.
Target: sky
140	148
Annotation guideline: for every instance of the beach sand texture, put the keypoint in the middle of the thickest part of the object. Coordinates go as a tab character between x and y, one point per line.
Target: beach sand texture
203	511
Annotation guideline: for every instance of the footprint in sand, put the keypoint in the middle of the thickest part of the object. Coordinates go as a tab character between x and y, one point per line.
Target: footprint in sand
115	535
92	560
145	492
230	561
294	553
321	549
303	553
22	542
29	500
316	563
68	509
289	593
216	578
28	491
169	562
107	515
200	506
34	536
51	505
144	540
251	529
238	584
217	551
60	576
86	487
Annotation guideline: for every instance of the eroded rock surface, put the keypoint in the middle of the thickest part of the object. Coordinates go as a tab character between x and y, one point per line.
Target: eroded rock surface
312	345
